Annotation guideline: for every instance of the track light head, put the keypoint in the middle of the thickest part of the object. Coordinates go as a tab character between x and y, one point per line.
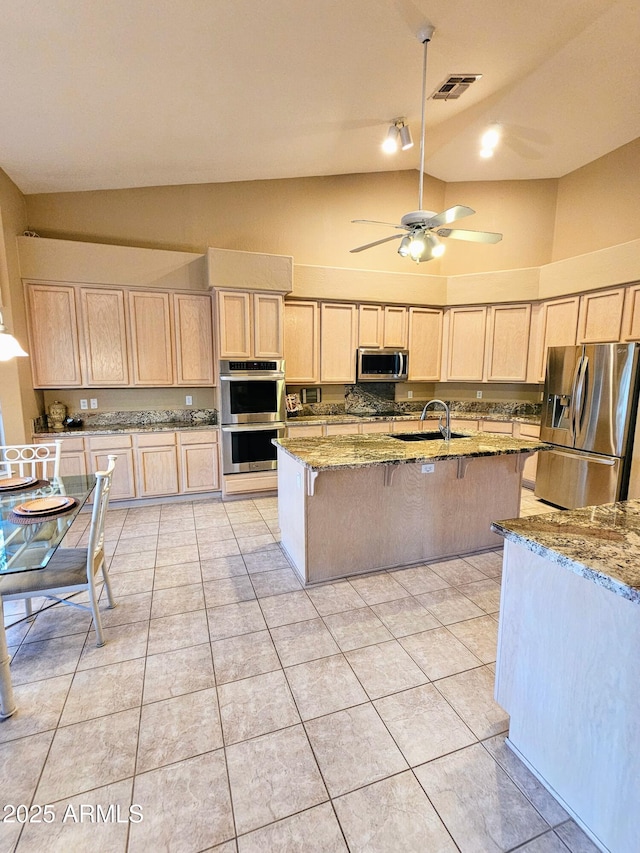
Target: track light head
405	137
390	144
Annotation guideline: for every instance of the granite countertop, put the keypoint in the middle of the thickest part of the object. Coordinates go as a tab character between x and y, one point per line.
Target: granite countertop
126	428
303	420
358	451
600	543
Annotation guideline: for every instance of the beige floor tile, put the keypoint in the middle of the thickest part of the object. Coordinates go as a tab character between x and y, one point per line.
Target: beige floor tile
423	724
222	567
219	533
575	839
471	696
255	706
275	582
136	545
438	653
486	594
263	788
449	605
189	805
457	571
315	830
385	668
132	562
133	531
393	814
405	616
168	633
303	641
353	748
231	620
57	621
129	608
335	598
175	729
266	560
122	642
243	656
356	628
89	754
77	834
166	577
479	635
177	538
417	579
287	608
323	686
378	587
547	843
178	599
39	705
173	556
488	562
47	658
480	805
21	764
253	544
228	590
243	529
534	791
104	690
175	673
130	583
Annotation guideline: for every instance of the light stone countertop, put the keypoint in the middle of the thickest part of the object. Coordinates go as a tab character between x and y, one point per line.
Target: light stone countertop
114	429
310	420
600	543
370	449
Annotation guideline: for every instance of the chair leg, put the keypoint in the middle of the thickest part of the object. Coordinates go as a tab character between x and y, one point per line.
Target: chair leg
97	621
107	583
28	608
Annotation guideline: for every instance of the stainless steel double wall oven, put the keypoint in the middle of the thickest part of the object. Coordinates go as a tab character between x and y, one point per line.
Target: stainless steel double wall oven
252	412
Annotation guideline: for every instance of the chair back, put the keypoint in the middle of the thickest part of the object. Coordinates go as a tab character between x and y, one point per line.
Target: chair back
31	460
95	548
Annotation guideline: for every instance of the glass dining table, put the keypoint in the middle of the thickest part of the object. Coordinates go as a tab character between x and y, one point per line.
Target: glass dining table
28	541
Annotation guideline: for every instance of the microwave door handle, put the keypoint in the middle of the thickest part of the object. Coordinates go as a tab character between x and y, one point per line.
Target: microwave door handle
405	366
398	364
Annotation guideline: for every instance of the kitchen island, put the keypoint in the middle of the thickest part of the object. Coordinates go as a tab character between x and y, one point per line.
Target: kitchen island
356	503
568	664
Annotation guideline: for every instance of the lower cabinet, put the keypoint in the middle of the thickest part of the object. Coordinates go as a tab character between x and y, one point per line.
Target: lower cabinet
73	462
156	464
199	461
99	448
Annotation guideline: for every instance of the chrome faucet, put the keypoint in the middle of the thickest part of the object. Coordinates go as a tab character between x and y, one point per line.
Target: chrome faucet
446	429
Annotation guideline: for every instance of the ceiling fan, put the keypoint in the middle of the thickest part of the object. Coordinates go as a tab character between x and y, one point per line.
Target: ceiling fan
422	228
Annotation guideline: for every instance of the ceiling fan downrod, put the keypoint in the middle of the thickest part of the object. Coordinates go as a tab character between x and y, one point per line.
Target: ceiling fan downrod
425	35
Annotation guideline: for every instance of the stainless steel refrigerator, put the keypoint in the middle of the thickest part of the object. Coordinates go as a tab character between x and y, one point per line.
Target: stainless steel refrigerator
588	414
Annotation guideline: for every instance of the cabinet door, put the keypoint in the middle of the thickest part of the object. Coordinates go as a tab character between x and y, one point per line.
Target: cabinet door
370	326
53	336
508	343
301	342
123	484
600	318
425	344
559	327
268	325
465	360
105	337
338	337
497	427
234	324
631	317
73	464
342	429
311	431
395	326
157	471
200	470
152	344
194	339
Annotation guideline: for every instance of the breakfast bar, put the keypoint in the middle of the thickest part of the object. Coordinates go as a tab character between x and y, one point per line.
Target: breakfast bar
356	503
568	664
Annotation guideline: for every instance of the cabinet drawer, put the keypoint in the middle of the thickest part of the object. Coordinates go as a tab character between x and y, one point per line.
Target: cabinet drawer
529	431
68	444
205	436
463	424
342	429
415	426
501	427
155	439
304	431
109	442
376	426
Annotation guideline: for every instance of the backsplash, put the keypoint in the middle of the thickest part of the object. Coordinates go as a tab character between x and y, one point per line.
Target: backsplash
190	417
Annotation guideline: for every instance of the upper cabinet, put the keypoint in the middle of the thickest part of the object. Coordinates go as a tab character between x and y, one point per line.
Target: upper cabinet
338	342
600	316
250	325
193	327
53	336
105	336
466	343
631	316
382	326
508	343
302	342
558	327
425	344
152	339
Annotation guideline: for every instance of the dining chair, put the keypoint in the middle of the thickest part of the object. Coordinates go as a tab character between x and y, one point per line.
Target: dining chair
72	570
31	460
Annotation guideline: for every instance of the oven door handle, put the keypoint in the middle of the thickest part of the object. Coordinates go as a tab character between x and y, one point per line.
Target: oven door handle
271	425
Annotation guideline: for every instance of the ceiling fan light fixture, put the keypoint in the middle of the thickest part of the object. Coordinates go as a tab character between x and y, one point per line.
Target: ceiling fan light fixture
417	246
390	144
406	140
405	245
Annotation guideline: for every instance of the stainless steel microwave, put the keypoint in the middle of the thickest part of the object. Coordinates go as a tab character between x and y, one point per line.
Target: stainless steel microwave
382	365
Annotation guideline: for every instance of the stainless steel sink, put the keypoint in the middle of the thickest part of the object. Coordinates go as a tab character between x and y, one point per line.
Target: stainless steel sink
424	436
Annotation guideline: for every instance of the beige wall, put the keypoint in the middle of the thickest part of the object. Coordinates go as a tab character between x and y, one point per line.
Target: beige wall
18	401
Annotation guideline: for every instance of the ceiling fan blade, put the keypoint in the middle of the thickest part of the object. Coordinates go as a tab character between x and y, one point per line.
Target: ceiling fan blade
377	243
376	222
471	236
451	214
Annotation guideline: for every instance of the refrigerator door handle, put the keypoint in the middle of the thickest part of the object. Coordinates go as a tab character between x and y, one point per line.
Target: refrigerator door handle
581	395
572	405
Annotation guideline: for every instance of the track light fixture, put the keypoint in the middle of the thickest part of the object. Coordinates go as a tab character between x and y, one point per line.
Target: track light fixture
9	346
399	133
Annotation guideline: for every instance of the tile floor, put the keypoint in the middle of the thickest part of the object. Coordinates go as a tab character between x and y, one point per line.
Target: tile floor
244	713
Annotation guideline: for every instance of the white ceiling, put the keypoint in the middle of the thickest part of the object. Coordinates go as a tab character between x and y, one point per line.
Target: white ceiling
98	94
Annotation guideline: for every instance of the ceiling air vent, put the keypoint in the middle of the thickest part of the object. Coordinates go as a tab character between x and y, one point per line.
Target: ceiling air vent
454	86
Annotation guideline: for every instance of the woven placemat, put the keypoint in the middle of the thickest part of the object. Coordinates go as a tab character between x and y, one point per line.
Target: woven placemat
50	516
38	484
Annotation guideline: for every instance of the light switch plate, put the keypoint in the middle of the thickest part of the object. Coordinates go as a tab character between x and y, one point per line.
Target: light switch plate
188	400
93	403
479	395
84	404
428	468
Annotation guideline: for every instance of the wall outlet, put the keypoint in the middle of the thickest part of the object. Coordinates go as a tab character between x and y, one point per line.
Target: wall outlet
409	395
479	395
189	400
93	403
429	468
84	404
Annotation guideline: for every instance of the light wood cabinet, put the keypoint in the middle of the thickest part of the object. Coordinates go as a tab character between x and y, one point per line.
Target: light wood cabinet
342	429
338	342
382	326
250	325
508	343
53	336
425	344
308	431
376	426
466	343
463	425
193	328
104	332
395	326
152	339
99	448
631	314
156	464
302	342
497	427
199	461
600	316
531	463
559	327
